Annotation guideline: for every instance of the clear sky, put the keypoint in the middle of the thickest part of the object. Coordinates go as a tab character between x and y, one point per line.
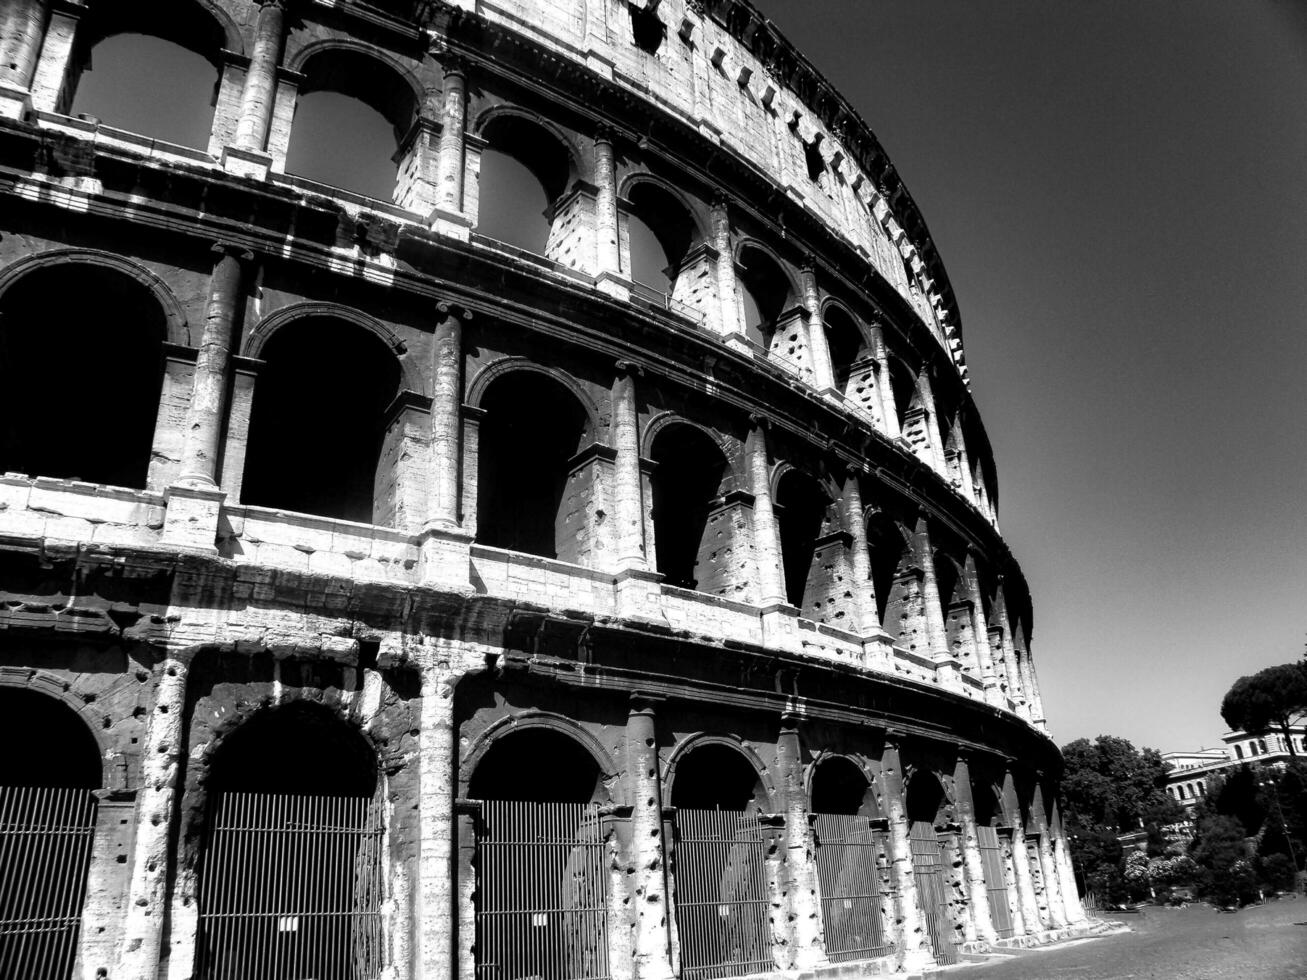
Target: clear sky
1118	190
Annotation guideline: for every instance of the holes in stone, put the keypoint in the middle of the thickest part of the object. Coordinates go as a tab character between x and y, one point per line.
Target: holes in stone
647	30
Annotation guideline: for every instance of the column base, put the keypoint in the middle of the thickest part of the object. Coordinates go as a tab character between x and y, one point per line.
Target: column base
948	672
878	649
780	628
14	102
614	285
246	163
638	593
451	224
191	516
446	558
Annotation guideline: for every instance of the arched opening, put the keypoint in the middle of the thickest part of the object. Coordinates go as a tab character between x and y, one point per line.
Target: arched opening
847	346
721	870
891	557
661	235
926	801
83	344
318	420
687	484
47	809
927	809
765	292
532	429
525	170
291	871
904	383
173	101
540	859
995	859
800	511
957	620
853	862
351	117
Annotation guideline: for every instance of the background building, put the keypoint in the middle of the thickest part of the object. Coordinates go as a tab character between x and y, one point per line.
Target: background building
1190	771
381	599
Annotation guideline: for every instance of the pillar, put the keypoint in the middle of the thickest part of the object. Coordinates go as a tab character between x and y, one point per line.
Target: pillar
452	168
914	944
984	655
1031	681
147	894
1015	689
49	83
727	292
206	416
652	940
261	80
766	531
1075	911
1026	898
1052	877
22	29
435	909
807	936
884	384
864	590
628	504
946	665
608	250
823	372
977	887
936	440
446	420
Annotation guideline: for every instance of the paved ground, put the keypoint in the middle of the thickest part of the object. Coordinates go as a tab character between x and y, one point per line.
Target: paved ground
1265	942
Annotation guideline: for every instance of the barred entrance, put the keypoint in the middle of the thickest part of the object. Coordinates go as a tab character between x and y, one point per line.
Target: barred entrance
928	869
542	888
45	849
721	894
291	889
994	865
852	863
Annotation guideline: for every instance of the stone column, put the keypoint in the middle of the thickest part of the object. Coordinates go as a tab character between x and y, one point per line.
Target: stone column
884	384
22	28
1075	911
808	938
977	889
446	418
627	502
1015	689
1052	878
453	123
823	372
1026	897
766	531
49	81
202	441
864	590
147	893
435	908
946	665
261	80
608	249
1031	681
964	463
652	939
914	946
984	655
936	440
727	292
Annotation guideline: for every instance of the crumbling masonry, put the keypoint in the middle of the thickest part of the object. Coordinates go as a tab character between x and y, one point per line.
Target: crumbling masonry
383	601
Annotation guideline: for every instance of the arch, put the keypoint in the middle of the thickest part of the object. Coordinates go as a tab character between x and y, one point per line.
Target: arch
339	380
801	503
692	209
512	126
202	26
766	285
764	791
925	799
986	799
257	338
526	168
178	328
530	437
839	784
904	382
68	751
889	545
687	482
540	728
54	326
496	369
846	341
666	217
333	64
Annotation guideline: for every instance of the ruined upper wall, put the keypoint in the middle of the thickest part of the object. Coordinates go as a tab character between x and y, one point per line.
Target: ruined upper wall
724	70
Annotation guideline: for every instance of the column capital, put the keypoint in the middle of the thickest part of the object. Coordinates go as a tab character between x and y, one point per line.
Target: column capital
629	368
240	253
605	133
453	311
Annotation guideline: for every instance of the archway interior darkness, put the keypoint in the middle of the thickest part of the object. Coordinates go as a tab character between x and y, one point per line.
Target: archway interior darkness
840	787
800	510
537	765
532	428
524	171
845	342
988	813
904	383
318	419
716	777
947	579
81	367
687	481
295	749
925	799
351	93
661	232
173	101
765	291
888	551
57	749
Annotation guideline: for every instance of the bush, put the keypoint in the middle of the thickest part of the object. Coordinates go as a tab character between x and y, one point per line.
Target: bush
1276	872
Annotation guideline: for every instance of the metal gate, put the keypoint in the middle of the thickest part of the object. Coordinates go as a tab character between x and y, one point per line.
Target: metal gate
722	903
45	848
995	867
852	859
928	869
290	888
542	892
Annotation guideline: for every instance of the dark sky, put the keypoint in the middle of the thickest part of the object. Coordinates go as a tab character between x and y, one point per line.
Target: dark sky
1119	192
1117	189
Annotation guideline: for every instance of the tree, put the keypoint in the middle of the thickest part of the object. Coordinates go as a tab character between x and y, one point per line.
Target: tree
1272	698
1219	849
1110	784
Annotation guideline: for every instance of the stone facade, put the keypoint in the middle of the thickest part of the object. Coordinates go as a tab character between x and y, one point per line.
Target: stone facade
314	501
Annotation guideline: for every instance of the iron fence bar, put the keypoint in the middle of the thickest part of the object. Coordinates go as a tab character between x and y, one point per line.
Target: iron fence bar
993	864
849	864
928	869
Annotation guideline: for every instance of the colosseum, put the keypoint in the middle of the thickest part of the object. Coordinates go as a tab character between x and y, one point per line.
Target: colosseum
395	591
